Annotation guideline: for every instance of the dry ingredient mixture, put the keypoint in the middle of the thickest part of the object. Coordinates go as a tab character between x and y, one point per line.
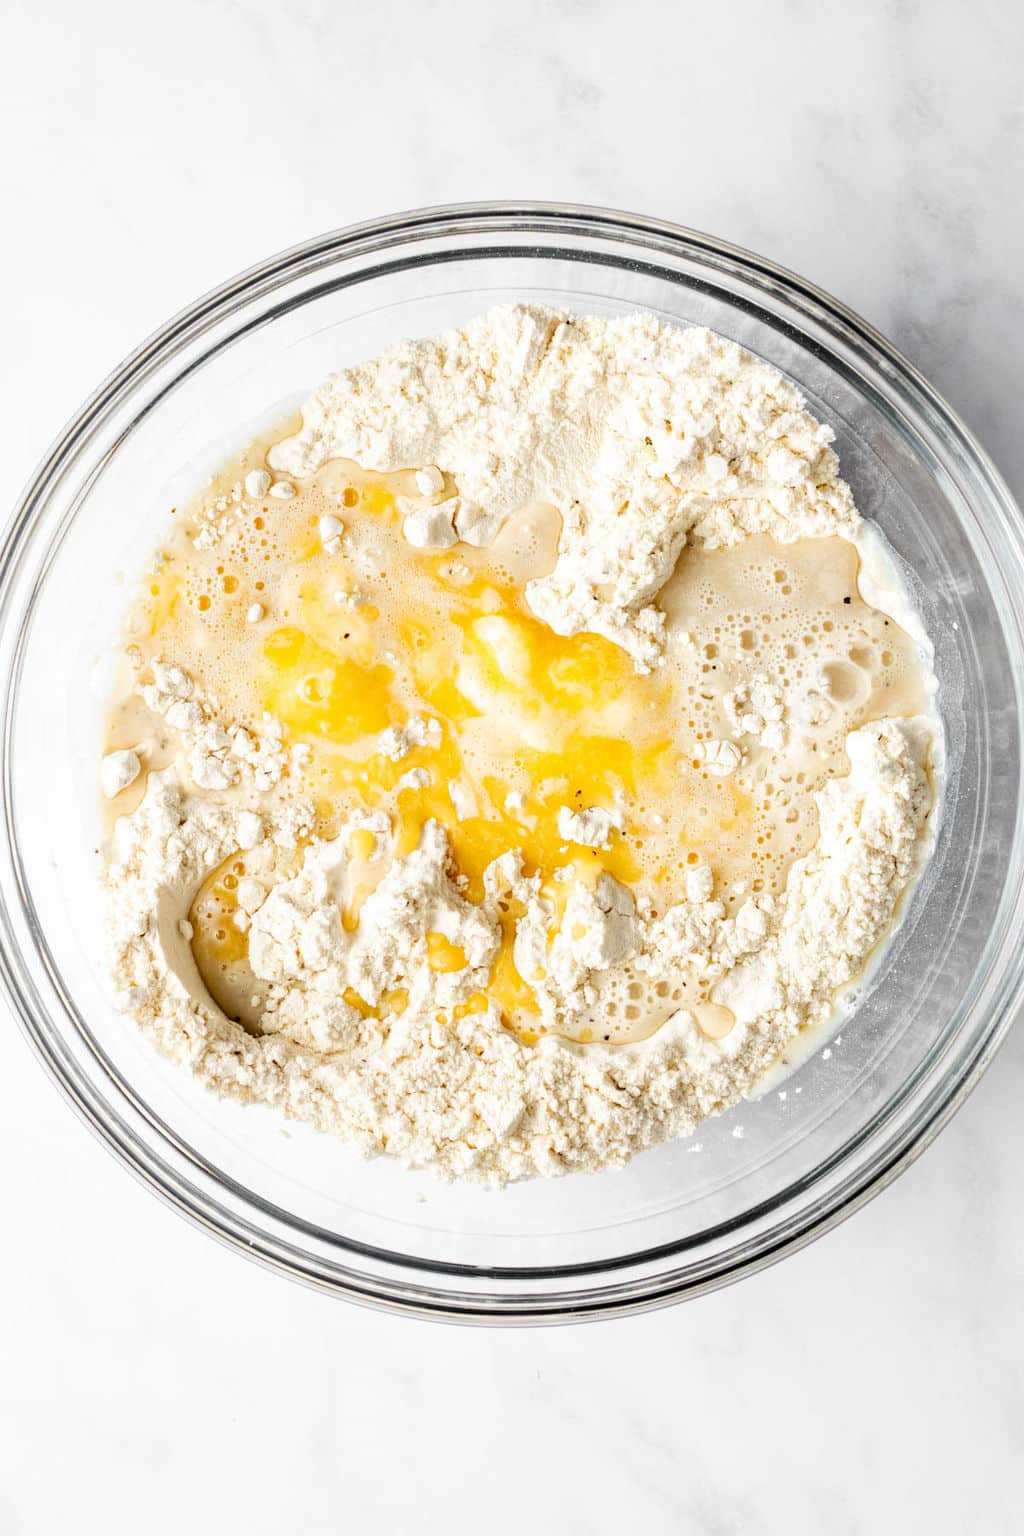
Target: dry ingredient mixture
504	764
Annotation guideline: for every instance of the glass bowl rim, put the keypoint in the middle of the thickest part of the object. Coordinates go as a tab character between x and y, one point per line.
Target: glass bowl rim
213	1214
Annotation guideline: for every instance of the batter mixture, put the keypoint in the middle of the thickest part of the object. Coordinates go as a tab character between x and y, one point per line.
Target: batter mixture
505	764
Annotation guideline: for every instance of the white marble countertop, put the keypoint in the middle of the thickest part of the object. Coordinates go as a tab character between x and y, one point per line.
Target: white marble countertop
151	1380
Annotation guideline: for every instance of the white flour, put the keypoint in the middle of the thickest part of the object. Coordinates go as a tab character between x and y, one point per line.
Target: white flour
644	437
219	755
467	1097
638	432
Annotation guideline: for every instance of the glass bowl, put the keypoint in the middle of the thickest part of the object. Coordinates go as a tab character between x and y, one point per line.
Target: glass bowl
751	1185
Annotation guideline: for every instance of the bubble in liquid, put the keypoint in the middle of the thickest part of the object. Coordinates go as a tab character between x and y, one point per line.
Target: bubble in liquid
841	682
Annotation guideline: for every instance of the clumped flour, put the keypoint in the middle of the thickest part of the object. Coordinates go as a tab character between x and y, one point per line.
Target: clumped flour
504	840
640	435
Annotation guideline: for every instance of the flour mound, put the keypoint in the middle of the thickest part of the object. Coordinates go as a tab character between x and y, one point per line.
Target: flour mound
641	434
455	1090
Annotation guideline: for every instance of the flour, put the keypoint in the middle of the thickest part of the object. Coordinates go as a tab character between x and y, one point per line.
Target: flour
371	962
219	756
397	742
641	434
257	483
591	828
465	1096
118	770
720	757
429	527
758	709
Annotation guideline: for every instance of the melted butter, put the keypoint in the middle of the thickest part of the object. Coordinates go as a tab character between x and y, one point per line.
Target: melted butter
371	632
391	1006
363	874
442	955
317	693
220	947
477	1003
163	598
513	995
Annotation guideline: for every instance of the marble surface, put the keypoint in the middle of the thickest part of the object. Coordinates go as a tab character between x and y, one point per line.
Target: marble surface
151	1380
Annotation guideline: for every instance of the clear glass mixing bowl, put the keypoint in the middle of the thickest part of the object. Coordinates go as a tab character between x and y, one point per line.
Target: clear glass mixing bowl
684	1217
